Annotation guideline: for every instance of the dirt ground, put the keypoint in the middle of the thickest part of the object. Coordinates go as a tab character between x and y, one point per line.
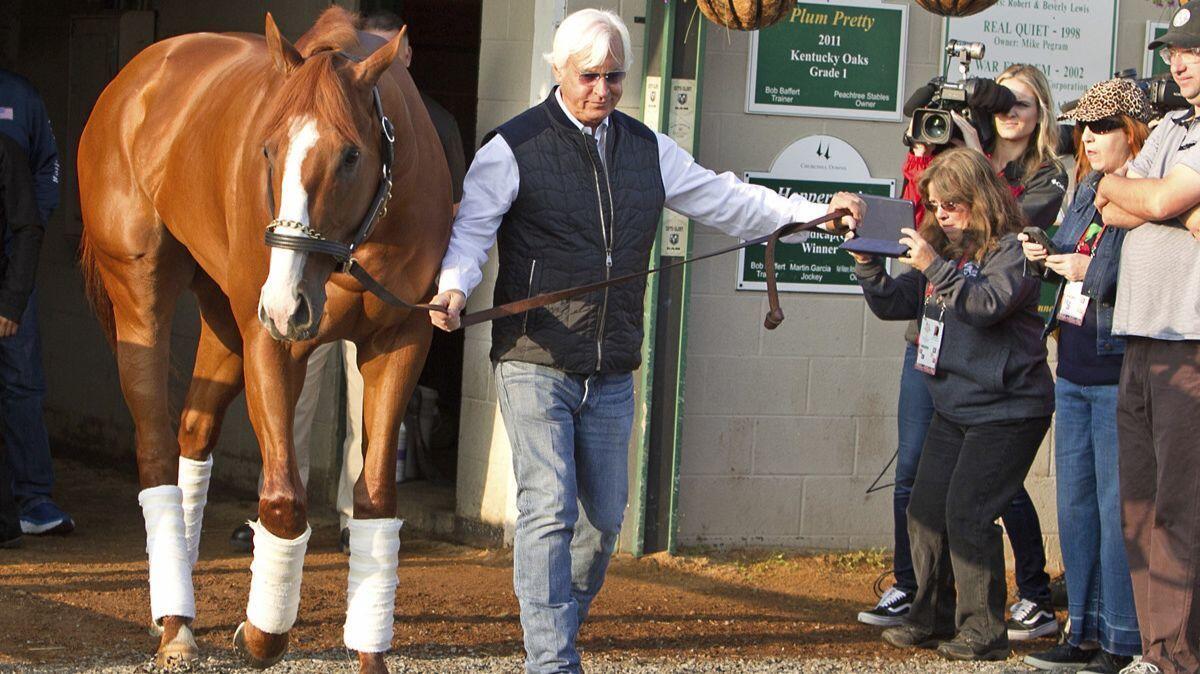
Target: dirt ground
85	596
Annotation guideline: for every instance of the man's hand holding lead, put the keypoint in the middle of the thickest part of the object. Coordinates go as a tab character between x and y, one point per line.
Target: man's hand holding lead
850	202
454	301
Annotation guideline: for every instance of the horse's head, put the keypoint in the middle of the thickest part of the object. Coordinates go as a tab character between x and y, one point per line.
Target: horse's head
321	140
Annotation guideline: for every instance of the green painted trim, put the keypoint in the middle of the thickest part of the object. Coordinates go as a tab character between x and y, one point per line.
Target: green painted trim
685	305
645	376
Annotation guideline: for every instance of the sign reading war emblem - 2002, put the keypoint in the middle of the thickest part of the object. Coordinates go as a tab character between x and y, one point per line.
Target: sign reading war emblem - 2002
842	59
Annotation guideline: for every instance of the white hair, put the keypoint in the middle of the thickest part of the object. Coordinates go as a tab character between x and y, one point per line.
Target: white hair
588	37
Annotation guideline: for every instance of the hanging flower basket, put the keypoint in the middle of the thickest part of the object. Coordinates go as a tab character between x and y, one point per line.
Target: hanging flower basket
746	14
955	7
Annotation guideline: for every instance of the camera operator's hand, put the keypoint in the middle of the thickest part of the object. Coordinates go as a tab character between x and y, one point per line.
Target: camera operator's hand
859	258
1071	266
969	134
920	253
918	149
1033	251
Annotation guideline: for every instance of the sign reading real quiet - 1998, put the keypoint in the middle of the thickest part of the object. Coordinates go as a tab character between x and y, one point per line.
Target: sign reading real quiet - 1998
843	59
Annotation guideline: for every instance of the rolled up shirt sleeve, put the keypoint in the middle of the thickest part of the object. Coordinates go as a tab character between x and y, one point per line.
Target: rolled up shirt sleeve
724	202
489	190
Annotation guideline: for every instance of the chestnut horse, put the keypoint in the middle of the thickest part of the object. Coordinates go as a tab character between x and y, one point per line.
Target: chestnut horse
189	153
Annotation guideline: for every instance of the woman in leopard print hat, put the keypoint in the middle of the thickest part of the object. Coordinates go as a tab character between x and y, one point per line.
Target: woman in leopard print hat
1110	128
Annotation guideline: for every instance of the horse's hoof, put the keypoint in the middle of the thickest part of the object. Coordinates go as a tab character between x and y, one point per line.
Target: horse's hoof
179	652
372	663
239	644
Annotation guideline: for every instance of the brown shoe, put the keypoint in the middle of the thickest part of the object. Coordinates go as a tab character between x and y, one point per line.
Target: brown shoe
908	636
965	648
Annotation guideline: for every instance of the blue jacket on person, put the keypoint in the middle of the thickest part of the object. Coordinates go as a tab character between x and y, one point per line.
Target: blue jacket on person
1100	282
23	118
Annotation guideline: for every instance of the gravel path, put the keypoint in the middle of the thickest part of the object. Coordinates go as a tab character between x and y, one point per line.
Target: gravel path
340	663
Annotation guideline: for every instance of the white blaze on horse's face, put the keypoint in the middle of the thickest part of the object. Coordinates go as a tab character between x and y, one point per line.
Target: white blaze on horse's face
280	295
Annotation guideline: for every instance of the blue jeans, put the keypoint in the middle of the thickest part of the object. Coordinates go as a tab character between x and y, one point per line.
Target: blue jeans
1099	590
570	447
22	389
913	412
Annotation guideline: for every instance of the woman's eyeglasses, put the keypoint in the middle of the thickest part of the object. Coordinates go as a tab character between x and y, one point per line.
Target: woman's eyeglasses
1102	126
613	78
948	206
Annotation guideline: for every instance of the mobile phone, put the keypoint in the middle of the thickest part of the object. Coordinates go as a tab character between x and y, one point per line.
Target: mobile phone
1038	235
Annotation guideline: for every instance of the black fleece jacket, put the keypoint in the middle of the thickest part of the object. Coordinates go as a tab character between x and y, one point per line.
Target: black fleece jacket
20	226
992	365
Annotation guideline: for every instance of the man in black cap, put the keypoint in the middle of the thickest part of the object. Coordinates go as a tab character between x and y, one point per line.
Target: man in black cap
1158	406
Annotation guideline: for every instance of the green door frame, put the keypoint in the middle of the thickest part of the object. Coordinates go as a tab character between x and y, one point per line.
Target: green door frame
674	54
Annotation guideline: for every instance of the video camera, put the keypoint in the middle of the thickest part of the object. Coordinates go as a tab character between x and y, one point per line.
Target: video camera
1162	91
970	97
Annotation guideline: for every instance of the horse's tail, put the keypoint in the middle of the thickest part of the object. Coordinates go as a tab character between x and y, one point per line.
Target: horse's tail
97	294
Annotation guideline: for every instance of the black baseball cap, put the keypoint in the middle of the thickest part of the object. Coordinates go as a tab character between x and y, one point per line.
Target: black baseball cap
1184	30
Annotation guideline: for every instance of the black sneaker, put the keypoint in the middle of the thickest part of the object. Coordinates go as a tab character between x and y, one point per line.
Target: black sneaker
1030	621
890	611
10	539
242	538
1103	662
344	540
1063	656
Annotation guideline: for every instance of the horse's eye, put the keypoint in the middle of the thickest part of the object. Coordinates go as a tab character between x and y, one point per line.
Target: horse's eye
350	157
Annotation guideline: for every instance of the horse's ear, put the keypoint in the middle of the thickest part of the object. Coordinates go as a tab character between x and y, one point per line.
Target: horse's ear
284	55
368	72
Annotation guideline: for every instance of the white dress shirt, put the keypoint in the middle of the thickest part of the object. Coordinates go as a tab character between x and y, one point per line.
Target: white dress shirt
721	201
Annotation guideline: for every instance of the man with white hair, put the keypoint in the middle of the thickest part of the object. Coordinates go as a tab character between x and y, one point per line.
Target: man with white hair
574	191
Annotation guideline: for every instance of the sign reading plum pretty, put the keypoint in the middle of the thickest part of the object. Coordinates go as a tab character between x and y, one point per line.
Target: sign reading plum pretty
837	59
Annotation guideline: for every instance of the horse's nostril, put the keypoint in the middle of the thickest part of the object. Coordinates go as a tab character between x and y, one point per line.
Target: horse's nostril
303	316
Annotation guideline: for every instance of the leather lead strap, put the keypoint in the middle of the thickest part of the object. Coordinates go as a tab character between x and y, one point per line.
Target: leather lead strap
774	318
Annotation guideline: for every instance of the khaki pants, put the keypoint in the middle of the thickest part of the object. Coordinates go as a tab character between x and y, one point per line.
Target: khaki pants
1158	431
306	408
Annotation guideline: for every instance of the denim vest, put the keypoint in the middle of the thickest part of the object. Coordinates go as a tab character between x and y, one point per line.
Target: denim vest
1100	283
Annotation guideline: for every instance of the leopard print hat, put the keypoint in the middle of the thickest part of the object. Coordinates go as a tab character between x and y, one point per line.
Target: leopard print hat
1107	99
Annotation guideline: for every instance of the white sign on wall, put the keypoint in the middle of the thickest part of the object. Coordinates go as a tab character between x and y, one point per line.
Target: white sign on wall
1071	41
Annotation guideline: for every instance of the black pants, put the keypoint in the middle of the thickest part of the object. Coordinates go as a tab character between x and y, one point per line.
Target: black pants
10	523
967	476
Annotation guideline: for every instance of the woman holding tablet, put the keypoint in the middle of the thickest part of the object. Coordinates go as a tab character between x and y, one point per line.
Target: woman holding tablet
985	366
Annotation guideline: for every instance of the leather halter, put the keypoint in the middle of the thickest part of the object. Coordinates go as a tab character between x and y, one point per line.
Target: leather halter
312	241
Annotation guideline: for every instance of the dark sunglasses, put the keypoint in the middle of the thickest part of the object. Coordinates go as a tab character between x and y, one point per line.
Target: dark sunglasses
1102	126
613	78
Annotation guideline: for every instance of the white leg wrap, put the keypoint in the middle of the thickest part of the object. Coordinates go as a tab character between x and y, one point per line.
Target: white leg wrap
170	571
371	595
275	576
193	481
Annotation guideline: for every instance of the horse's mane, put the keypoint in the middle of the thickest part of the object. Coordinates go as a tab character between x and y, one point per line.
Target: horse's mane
335	30
315	86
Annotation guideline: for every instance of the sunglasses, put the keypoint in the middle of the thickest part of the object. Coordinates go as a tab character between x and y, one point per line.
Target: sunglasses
613	78
1102	126
947	206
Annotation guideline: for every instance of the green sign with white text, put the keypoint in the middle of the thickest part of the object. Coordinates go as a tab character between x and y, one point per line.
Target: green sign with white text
816	264
843	59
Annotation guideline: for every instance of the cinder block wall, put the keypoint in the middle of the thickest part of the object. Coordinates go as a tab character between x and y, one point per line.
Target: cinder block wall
784	431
